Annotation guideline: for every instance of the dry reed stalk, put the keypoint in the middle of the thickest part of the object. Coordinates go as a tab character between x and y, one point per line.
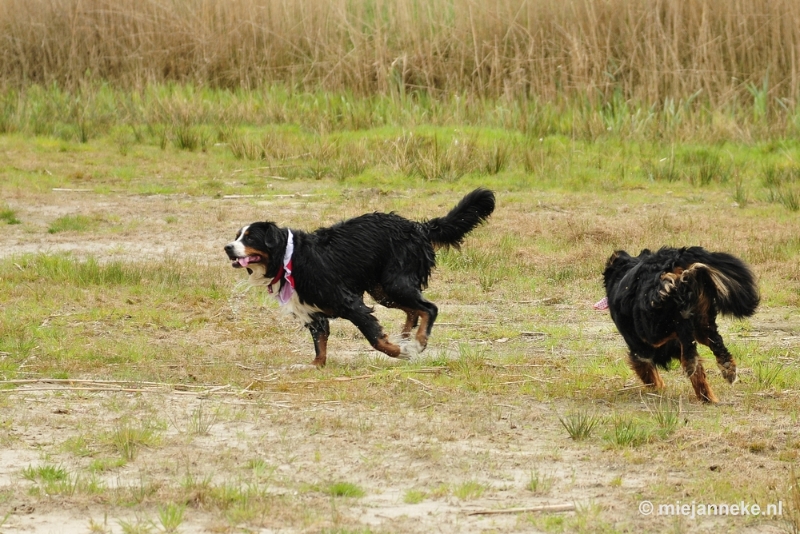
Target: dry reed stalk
648	50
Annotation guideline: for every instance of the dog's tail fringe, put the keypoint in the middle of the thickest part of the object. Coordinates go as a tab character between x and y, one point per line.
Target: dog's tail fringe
450	230
735	287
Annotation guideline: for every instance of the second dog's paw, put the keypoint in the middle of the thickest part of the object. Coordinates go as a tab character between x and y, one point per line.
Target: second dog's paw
729	372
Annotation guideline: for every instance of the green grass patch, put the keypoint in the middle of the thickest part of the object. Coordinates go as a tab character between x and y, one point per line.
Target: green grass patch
344	489
9	216
72	223
468	490
580	424
414	496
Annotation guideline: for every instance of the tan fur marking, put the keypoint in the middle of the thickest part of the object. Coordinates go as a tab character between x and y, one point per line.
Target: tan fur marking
701	386
720	281
663	341
322	357
387	347
255	252
648	373
422	331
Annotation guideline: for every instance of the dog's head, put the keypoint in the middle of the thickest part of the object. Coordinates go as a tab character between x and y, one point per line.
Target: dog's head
617	265
258	247
620	264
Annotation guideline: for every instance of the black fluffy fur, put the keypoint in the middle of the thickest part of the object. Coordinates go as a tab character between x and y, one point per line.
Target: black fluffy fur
382	254
664	302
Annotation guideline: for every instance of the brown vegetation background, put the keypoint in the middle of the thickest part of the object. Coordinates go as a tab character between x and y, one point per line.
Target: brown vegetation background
647	50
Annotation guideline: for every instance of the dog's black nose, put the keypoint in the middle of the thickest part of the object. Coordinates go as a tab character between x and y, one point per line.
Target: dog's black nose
229	248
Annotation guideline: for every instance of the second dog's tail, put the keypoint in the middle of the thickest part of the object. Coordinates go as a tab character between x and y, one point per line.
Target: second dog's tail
729	279
450	230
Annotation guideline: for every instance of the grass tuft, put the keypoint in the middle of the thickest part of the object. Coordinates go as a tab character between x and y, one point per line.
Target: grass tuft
128	439
414	496
9	216
72	223
628	431
470	489
580	424
344	489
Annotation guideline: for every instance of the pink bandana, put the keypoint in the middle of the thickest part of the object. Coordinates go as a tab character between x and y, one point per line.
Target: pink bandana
285	293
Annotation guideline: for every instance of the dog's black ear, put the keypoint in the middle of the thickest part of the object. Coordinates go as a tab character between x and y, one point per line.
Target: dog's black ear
614	256
275	239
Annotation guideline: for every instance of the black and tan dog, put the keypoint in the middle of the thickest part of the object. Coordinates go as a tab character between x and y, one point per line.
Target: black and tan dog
664	302
324	274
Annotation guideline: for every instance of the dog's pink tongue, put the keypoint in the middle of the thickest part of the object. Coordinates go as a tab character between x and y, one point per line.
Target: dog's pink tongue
244	261
602	304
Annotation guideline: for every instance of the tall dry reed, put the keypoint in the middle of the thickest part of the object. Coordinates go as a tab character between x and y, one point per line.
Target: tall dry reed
646	50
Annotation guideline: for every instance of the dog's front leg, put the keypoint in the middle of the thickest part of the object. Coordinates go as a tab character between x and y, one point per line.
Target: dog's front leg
320	330
725	361
692	366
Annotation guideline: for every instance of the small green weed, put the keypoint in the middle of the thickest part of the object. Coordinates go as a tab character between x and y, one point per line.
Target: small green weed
9	216
106	464
171	516
45	473
767	373
127	439
191	138
579	425
666	415
344	489
414	496
628	432
539	483
469	490
201	420
139	526
72	223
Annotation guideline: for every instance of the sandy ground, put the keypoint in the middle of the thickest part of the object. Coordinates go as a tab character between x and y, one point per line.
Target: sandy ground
314	437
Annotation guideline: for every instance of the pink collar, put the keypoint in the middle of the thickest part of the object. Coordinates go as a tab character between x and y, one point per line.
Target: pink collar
285	290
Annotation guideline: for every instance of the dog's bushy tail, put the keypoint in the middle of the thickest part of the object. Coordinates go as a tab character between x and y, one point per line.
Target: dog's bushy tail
734	284
450	230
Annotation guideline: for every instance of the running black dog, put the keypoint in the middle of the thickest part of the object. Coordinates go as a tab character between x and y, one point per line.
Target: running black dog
324	274
663	302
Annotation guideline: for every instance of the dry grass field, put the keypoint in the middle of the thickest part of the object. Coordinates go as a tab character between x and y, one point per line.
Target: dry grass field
718	52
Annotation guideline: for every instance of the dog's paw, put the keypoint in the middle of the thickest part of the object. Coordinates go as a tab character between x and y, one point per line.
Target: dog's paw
409	348
399	339
729	372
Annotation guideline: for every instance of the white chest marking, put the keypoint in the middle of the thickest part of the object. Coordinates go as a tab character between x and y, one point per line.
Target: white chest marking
293	306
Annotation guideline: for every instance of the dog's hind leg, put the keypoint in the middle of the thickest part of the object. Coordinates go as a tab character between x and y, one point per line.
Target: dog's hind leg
412	315
320	331
361	316
646	371
692	367
419	311
412	320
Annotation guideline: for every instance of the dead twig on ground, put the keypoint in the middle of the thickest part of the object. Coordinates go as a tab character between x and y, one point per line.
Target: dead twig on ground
547	508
